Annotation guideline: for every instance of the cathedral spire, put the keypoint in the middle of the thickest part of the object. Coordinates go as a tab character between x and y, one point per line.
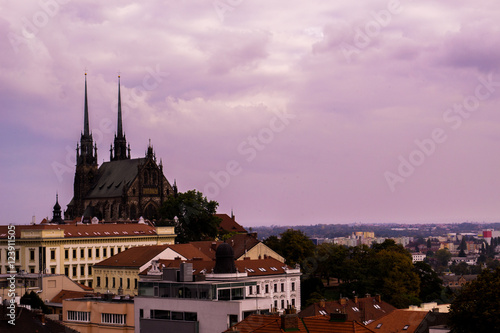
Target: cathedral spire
120	130
86	131
120	144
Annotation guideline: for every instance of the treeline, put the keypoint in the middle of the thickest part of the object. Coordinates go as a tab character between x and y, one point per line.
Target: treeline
385	269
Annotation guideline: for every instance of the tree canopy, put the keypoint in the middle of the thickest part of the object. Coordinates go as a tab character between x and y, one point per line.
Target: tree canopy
477	307
192	215
293	245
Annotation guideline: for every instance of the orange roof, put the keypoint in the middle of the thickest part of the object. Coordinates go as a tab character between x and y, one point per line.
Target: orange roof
399	320
89	230
134	256
189	251
363	310
258	267
141	255
67	294
229	224
272	323
207	247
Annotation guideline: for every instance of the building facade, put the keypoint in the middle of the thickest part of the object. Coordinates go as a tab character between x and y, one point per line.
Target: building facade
72	249
207	296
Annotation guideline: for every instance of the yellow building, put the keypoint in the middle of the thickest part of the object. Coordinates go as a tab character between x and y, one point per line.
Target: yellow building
99	314
72	249
120	273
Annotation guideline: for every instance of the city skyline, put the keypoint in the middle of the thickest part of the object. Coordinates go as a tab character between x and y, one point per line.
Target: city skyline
287	113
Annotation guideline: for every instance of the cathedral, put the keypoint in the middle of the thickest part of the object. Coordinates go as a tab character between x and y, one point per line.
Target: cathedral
123	188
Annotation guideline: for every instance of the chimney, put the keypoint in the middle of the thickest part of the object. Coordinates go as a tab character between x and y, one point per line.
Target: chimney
343	301
356	299
213	246
322	303
378	298
289	322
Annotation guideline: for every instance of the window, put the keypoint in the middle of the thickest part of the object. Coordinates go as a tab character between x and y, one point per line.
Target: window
121	283
74	254
90	283
98	281
135	283
406	327
258	290
282	287
379	326
66	270
105	252
82	270
82	253
275	288
74	270
89	269
267	289
119	249
52	270
141	313
32	255
293	286
113	318
293	302
32	270
97	253
128	283
66	254
79	316
282	303
89	253
106	282
275	304
114	283
250	290
112	251
52	254
17	257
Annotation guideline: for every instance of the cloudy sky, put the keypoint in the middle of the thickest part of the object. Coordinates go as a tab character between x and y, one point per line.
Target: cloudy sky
288	112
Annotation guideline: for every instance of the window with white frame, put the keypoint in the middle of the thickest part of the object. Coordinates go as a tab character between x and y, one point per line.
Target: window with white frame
113	318
78	316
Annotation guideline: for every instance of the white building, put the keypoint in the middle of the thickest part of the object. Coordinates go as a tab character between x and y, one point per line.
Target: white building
418	257
207	296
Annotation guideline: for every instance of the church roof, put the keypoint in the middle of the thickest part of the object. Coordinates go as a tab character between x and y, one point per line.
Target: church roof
114	176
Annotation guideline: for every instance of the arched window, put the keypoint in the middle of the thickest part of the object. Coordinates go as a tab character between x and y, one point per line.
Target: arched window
151	213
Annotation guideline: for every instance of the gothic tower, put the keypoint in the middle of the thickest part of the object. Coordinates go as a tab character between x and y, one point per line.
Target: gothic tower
120	147
86	164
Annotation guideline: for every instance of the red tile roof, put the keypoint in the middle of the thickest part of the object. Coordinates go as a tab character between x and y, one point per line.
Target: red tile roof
258	267
67	294
399	321
141	255
362	310
89	230
272	323
229	224
133	257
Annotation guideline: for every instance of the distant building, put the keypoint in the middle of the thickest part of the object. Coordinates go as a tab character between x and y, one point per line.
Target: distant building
408	321
457	281
418	257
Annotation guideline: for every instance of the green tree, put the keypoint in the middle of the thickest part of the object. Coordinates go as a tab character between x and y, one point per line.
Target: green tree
195	216
296	247
443	256
34	301
274	243
477	307
430	283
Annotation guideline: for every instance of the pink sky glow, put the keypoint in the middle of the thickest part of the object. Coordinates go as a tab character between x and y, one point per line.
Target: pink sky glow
288	112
